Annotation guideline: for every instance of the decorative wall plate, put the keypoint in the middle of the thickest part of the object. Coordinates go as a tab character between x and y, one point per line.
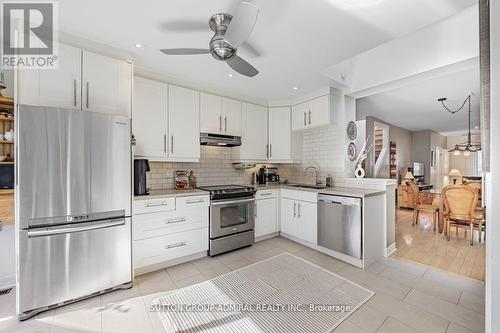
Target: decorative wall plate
351	151
352	130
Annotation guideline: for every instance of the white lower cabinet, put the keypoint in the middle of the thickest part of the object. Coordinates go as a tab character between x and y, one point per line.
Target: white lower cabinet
266	213
298	217
163	231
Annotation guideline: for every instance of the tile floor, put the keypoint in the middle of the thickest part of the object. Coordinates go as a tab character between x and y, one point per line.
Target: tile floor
409	297
422	245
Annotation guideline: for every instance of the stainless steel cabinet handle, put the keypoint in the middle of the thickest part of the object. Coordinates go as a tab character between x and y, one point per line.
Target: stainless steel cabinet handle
309	117
74	92
255	211
294	209
172	144
165	143
87	94
156	205
220	123
225	124
299	209
270	150
267	151
305	116
176	220
194	201
170	246
263	194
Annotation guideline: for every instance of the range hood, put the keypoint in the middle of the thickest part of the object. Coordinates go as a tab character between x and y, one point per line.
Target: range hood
210	139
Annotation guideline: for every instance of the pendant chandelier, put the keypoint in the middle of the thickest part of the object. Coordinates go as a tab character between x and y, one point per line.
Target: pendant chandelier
468	146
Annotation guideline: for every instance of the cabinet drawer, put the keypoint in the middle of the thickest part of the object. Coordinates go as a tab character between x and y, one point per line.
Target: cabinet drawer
153	205
194	202
307	196
266	194
158	249
162	223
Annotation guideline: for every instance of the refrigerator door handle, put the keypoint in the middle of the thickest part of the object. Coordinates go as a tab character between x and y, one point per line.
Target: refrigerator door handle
67	230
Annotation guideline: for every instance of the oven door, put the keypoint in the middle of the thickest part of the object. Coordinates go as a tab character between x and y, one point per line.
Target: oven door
231	216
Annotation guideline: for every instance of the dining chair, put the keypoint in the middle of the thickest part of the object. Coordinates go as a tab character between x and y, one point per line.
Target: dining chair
460	203
478	186
420	205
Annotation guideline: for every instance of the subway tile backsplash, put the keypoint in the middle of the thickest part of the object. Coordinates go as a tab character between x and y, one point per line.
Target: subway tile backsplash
323	147
215	167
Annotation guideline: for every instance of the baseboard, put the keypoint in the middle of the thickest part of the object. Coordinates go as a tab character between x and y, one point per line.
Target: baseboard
165	264
390	249
264	237
7	282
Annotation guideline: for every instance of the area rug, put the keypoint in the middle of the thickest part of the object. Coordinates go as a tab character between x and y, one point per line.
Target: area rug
280	294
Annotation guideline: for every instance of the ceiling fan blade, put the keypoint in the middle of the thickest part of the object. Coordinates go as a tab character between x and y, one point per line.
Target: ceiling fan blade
186	51
242	67
242	24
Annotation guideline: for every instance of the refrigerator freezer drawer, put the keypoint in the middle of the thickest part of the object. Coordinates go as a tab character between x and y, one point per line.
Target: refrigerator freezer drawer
58	265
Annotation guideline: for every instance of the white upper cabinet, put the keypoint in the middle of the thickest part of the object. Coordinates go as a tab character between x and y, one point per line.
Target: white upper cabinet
254	146
107	84
59	87
314	113
231	117
220	115
210	113
184	123
83	80
299	115
150	118
280	134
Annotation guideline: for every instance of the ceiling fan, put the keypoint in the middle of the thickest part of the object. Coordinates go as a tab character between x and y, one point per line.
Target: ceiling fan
230	33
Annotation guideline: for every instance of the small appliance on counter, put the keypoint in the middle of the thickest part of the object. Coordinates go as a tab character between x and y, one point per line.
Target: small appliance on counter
141	166
272	175
261	175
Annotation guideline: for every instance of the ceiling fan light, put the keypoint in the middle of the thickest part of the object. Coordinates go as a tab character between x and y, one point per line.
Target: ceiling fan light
467	153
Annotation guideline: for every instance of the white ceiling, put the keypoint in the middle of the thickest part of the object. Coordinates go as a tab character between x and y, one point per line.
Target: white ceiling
297	39
415	107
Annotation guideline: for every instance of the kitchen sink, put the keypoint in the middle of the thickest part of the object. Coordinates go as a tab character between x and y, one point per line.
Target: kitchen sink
308	186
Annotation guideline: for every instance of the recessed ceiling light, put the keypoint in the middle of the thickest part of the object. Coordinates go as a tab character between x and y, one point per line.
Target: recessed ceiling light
139	45
476	127
230	75
295	88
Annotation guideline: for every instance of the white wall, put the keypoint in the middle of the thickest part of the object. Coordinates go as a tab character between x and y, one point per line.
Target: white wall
449	42
493	189
7	257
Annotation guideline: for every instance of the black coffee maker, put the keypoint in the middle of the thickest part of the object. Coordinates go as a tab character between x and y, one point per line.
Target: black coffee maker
141	166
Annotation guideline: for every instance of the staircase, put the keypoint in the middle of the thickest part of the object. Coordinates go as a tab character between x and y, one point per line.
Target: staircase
379	135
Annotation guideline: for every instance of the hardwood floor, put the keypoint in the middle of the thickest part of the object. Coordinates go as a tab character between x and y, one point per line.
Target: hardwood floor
422	245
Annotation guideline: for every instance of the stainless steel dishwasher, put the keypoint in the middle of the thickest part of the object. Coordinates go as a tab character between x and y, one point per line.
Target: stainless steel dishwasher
340	225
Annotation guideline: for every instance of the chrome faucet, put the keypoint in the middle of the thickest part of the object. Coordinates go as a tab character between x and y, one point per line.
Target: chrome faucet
318	182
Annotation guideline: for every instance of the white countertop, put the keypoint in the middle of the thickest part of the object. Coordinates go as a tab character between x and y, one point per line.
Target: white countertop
167	193
335	190
342	191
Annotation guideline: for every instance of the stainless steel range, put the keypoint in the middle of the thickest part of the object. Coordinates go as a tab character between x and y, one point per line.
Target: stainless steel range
232	220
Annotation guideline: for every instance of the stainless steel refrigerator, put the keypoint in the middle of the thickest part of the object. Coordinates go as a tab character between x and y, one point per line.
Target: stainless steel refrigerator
73	206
